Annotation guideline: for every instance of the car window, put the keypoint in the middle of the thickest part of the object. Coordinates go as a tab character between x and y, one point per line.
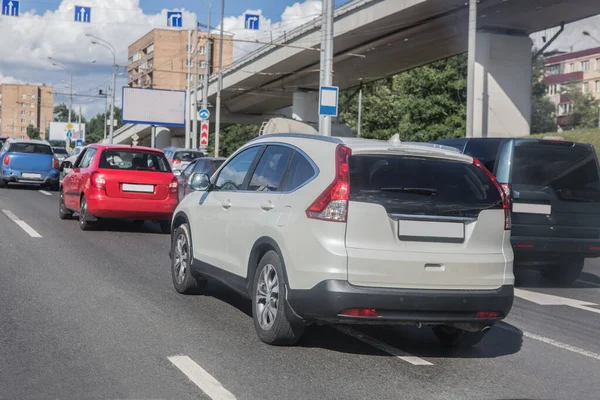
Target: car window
60	150
134	160
87	158
233	174
188	170
485	150
187	156
301	171
76	151
202	167
424	186
30	148
269	172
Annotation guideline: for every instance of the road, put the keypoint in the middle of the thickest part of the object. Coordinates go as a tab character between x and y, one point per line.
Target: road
94	315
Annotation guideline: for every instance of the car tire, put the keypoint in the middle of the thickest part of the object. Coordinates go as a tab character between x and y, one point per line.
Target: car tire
165	227
564	273
3	184
454	337
270	312
63	211
181	261
84	223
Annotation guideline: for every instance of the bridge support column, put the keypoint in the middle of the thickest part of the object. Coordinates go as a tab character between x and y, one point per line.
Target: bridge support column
163	137
305	106
502	106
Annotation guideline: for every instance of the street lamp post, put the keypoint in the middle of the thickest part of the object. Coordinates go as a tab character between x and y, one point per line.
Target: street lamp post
107	45
70	71
219	83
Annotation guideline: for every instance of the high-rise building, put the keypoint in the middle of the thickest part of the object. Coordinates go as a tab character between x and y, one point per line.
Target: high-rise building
159	60
25	105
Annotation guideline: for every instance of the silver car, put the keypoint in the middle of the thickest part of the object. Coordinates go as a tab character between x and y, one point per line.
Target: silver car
180	158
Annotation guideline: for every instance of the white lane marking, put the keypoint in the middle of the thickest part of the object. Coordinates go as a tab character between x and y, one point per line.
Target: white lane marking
551	300
382	346
201	378
551	342
588	282
45	193
30	231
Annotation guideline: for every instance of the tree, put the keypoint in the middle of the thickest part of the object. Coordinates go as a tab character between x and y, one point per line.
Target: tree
585	108
61	114
542	109
33	133
94	129
232	138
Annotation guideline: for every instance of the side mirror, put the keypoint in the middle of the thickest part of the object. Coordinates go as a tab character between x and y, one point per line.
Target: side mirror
66	165
200	182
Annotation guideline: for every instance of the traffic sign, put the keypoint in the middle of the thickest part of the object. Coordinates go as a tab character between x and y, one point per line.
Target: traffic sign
83	14
79	142
328	100
10	8
204	114
204	127
69	134
252	21
174	19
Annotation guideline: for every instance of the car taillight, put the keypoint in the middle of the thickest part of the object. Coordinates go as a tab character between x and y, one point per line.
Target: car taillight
176	161
487	314
6	160
332	204
98	181
360	312
173	186
504	193
55	163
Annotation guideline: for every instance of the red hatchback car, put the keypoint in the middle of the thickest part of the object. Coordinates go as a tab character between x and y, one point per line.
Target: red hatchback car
119	182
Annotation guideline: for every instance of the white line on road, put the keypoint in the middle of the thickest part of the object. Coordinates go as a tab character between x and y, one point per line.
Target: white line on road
201	378
30	231
382	346
45	193
551	342
588	282
544	299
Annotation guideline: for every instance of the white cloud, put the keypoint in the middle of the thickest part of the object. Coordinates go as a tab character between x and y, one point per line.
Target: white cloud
10	79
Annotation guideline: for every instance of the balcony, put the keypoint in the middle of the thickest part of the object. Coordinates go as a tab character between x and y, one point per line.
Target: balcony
564	78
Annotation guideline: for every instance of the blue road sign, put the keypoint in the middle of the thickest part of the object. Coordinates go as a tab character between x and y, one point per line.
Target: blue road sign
328	100
252	22
174	19
79	142
69	134
10	8
204	114
83	14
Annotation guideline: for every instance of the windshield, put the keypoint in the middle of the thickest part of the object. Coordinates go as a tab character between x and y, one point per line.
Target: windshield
60	150
187	156
134	161
30	148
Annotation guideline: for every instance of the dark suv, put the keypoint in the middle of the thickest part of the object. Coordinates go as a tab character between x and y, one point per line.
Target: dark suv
554	188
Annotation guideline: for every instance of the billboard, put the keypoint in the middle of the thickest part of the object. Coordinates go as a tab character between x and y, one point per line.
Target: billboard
60	130
153	107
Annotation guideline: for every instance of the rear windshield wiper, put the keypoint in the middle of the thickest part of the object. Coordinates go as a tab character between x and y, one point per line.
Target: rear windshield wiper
423	191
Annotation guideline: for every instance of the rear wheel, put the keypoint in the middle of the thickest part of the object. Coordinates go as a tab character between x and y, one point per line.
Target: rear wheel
63	211
84	217
565	273
165	226
454	337
3	184
269	306
181	261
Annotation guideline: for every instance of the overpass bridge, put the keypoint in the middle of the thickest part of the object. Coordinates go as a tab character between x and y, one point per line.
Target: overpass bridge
374	39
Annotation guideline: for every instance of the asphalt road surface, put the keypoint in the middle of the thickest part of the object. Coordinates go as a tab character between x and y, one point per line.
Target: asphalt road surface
94	315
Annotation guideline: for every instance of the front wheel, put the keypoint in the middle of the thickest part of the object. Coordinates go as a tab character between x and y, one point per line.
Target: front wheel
63	211
269	307
454	337
181	262
566	273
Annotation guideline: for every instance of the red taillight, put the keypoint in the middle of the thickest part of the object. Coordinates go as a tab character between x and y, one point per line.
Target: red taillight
503	193
6	160
595	248
173	186
98	181
487	314
524	246
360	312
55	163
332	204
176	161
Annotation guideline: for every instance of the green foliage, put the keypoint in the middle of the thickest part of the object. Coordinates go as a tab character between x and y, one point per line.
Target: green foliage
95	127
585	108
542	109
61	114
423	104
231	138
33	133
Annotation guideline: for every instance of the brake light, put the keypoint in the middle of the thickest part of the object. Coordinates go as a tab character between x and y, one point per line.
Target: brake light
524	246
487	314
55	163
176	161
173	186
360	312
98	181
6	160
503	193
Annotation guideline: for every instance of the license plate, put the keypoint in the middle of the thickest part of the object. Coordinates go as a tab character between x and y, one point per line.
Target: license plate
26	175
523	208
431	230
129	187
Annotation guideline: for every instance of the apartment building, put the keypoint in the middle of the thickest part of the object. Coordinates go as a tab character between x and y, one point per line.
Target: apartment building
159	60
24	105
581	68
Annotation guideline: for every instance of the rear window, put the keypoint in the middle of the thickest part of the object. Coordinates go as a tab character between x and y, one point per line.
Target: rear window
485	150
187	156
419	186
133	161
60	150
570	170
30	148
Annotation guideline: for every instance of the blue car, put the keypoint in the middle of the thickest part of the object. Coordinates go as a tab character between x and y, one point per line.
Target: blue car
30	162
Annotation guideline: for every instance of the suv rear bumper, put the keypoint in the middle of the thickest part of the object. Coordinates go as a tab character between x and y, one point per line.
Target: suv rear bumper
547	249
328	299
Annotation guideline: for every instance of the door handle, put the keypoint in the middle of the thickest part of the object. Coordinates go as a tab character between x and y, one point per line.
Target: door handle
268	206
226	204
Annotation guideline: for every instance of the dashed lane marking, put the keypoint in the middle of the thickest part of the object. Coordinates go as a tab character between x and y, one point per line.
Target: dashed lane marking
378	344
24	225
201	378
45	193
544	299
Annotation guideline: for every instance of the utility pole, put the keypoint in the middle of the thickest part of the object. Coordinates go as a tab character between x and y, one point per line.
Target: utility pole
326	60
471	67
359	110
79	122
208	63
189	92
112	105
219	84
105	111
194	113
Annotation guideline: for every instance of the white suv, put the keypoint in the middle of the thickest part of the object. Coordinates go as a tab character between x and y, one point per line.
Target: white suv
332	230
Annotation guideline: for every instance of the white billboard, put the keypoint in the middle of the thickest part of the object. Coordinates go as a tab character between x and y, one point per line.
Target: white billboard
153	107
60	130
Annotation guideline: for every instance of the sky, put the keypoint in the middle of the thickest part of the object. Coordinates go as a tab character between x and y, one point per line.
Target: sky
46	28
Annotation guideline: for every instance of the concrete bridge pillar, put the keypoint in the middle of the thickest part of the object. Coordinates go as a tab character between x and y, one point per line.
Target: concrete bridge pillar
163	137
502	106
305	106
